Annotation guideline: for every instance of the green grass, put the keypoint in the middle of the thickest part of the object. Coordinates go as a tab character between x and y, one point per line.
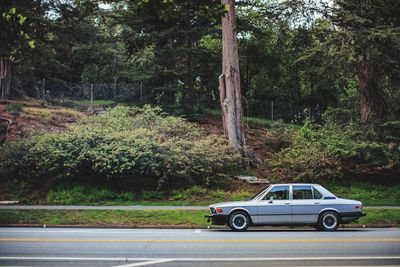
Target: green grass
134	218
89	195
185	218
368	194
380	216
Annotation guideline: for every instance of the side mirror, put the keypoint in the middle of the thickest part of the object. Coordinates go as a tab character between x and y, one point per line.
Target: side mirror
271	199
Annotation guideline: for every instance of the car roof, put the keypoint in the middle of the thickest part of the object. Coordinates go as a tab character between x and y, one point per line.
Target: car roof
296	184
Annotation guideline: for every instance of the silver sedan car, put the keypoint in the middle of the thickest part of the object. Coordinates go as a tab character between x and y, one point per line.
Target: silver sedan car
288	204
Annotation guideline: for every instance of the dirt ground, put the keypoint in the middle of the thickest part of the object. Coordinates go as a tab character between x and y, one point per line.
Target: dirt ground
34	118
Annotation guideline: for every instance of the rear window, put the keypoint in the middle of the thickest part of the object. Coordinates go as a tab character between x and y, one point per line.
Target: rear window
317	194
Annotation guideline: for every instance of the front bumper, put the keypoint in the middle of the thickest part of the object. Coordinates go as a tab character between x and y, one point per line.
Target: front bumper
216	219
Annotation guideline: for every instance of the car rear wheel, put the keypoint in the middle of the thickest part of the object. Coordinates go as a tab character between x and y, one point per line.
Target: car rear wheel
239	221
328	221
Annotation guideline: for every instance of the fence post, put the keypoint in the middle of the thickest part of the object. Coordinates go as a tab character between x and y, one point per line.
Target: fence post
272	110
43	89
91	97
141	91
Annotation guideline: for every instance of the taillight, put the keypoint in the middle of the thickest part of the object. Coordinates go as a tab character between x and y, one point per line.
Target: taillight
357	207
218	210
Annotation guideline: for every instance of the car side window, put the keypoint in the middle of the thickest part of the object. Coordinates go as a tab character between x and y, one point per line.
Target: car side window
278	193
317	194
302	192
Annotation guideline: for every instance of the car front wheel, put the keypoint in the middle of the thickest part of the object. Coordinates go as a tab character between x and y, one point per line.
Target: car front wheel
328	221
239	221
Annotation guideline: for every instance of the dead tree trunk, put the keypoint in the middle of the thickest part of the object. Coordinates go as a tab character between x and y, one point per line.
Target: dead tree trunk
229	82
5	77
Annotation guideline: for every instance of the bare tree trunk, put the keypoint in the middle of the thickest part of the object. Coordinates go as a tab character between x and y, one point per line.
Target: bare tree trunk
229	87
5	77
372	98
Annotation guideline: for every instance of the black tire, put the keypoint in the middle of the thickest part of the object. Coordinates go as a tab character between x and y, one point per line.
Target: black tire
328	221
239	221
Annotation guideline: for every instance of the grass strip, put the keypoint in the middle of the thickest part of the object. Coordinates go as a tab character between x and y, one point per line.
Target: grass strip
184	218
380	216
105	217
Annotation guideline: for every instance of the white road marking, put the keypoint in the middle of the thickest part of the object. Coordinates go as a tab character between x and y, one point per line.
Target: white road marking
203	259
197	231
144	263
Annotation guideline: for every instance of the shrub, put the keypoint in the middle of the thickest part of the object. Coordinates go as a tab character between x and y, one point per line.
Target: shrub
279	138
332	151
15	108
391	131
337	115
135	148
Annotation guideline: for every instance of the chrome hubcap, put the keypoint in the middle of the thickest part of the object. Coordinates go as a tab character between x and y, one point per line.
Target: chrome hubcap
239	221
329	221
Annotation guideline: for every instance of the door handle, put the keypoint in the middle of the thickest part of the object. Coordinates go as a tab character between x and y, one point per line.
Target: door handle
316	203
287	203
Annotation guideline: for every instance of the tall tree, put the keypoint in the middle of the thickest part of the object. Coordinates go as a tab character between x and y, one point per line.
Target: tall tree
369	36
229	82
15	37
173	30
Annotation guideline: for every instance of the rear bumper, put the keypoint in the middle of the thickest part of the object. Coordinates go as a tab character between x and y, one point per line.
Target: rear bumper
216	219
351	216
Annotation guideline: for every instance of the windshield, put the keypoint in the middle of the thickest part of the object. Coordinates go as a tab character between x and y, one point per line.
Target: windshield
258	194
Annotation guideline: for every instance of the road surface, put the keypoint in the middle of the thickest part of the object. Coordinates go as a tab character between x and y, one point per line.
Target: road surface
214	247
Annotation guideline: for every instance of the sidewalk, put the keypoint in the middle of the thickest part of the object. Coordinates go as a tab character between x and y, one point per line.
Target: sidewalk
136	207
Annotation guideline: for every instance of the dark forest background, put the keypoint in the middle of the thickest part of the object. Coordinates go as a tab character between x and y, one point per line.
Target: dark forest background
298	54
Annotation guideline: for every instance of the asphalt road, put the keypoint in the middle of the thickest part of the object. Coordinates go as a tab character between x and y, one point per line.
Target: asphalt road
214	247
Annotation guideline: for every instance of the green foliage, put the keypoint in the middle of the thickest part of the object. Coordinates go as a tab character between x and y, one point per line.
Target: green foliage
15	35
15	108
166	46
136	148
80	194
369	194
338	115
86	194
391	131
380	216
279	138
334	152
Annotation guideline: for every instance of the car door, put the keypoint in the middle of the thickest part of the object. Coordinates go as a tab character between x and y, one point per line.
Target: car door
305	208
274	207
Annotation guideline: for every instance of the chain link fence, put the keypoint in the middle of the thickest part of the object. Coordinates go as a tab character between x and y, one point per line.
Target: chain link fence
83	95
91	97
